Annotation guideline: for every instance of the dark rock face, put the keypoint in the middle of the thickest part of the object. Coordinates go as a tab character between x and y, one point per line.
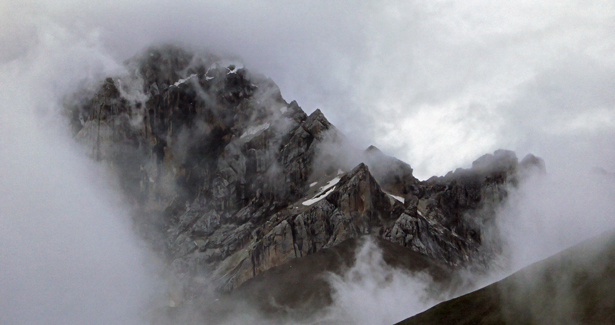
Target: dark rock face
218	168
452	217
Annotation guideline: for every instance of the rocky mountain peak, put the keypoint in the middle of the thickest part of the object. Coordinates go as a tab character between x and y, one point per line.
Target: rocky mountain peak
500	160
533	163
227	178
373	150
316	124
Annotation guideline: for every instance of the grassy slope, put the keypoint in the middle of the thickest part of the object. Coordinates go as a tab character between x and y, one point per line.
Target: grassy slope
576	286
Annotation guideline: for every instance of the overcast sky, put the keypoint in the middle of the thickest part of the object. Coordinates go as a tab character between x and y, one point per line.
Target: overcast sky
435	83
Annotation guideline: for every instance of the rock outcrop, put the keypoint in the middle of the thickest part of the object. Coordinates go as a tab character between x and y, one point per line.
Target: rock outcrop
227	179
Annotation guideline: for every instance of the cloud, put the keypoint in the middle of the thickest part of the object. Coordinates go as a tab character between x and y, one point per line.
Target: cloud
67	251
372	292
551	213
452	81
436	83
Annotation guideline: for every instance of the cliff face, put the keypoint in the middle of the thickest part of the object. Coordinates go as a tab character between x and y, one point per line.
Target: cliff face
229	180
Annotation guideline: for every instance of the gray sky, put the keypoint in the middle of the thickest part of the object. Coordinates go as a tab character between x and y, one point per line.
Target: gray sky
435	83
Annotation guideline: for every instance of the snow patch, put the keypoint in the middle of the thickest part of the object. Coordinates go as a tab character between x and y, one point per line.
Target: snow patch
318	197
340	172
398	198
207	78
323	191
255	130
313	184
181	81
330	183
283	109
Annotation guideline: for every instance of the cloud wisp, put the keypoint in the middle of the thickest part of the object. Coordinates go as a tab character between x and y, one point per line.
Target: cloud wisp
68	252
372	292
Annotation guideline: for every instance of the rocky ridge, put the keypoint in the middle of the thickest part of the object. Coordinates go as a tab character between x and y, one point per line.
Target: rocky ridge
228	180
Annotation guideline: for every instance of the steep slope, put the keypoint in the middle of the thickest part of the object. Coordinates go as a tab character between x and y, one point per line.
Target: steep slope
575	286
228	180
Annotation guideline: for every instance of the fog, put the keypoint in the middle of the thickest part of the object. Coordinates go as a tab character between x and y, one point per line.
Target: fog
67	249
371	292
553	212
436	84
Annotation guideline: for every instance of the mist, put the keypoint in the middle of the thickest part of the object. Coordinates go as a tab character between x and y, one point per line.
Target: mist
436	84
371	292
68	252
555	211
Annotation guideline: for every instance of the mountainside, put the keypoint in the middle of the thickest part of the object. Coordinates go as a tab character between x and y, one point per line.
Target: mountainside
227	180
573	287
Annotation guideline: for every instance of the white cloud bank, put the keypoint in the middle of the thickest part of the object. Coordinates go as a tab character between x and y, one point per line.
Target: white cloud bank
436	83
67	250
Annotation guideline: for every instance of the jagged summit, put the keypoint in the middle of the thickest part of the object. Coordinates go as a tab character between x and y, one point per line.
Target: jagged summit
228	180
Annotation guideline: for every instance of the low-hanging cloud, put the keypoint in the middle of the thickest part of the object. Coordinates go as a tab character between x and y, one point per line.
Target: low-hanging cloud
372	292
553	212
67	250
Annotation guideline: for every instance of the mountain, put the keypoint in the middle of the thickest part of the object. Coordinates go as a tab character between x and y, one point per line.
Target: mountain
573	287
228	181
